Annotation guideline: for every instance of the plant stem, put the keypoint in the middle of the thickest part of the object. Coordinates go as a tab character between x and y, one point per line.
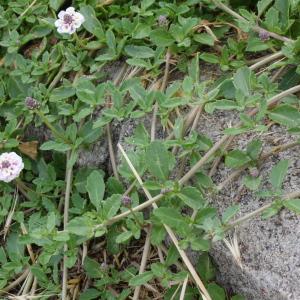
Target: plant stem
173	237
258	211
26	10
200	163
271	102
135	218
263	157
16	282
266	60
182	293
57	77
255	28
69	173
111	152
143	262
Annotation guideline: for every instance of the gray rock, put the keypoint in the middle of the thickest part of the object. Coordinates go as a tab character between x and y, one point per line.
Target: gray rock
269	248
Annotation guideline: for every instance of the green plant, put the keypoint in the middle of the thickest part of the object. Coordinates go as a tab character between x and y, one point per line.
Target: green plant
57	215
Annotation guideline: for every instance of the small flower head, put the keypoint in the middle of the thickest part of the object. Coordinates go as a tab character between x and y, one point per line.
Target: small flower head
254	172
126	201
68	21
31	103
162	21
264	35
11	165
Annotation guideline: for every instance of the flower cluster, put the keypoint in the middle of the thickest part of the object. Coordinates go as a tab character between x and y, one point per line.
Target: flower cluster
11	165
69	20
162	21
264	35
31	103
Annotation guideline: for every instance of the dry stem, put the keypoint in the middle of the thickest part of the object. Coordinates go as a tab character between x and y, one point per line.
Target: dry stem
69	171
258	211
183	255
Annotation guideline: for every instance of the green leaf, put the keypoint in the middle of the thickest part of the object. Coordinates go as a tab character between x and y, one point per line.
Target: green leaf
216	292
161	38
157	235
141	278
290	79
91	23
170	217
204	38
278	173
271	211
90	294
139	51
123	237
252	183
81	226
61	93
205	267
293	205
56	4
255	45
139	63
111	206
111	41
229	213
85	91
200	244
95	187
262	5
92	268
191	197
158	160
286	115
51	145
272	19
242	80
51	221
254	149
172	256
209	57
236	159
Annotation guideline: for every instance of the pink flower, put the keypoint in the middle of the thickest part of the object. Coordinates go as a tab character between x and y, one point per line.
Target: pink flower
11	165
69	21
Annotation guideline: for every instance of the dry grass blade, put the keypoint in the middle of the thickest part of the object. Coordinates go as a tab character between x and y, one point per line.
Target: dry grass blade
173	237
233	246
69	174
10	215
143	262
182	293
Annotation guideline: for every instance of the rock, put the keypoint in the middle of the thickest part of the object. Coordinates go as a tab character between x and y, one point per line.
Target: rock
269	248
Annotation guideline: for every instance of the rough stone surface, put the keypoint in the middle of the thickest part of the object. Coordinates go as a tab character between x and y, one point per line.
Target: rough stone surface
269	248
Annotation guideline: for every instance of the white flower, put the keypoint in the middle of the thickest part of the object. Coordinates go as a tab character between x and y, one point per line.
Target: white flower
11	165
69	21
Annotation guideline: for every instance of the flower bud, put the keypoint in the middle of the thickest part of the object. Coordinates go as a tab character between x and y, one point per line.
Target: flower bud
264	35
31	103
162	21
254	172
126	201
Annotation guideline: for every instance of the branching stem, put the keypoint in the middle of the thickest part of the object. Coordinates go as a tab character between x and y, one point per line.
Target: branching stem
258	211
